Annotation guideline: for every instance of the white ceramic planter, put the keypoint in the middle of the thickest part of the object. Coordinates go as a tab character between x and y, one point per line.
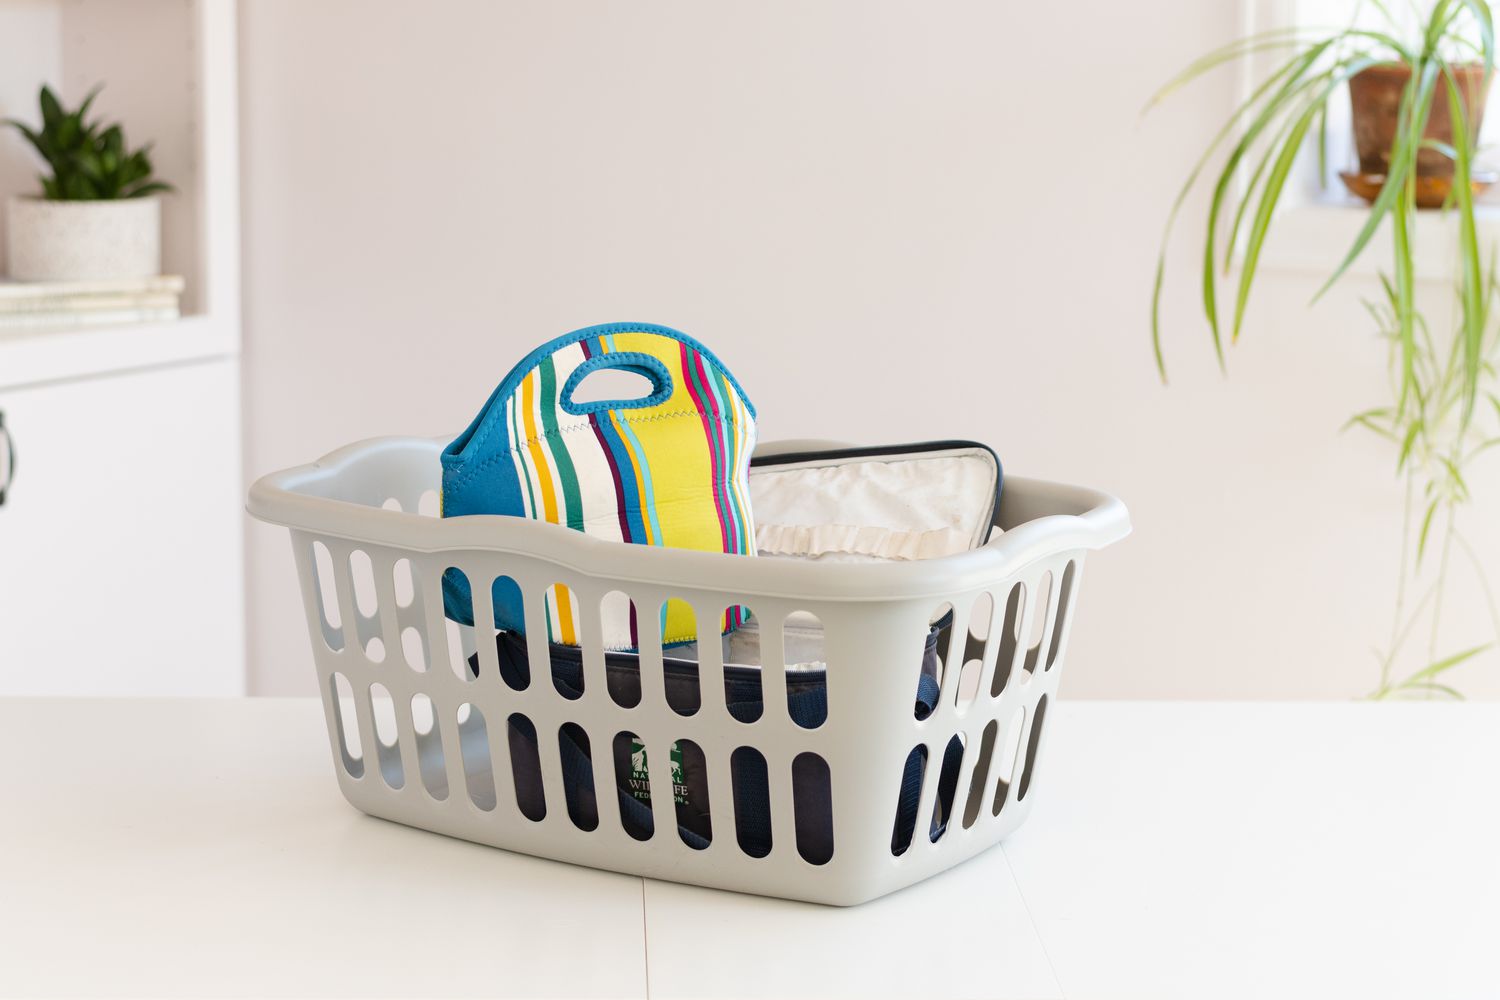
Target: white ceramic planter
83	240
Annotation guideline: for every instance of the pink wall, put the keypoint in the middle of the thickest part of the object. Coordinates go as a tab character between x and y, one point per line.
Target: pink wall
893	221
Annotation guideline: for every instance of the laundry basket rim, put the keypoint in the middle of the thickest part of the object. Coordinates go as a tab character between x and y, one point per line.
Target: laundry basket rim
299	498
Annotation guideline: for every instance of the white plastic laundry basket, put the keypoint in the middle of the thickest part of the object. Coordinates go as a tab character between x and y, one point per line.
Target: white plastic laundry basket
419	739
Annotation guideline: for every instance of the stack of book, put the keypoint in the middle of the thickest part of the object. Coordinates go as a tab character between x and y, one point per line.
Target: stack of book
37	306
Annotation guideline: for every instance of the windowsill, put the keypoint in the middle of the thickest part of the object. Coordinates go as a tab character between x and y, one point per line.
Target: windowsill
1314	236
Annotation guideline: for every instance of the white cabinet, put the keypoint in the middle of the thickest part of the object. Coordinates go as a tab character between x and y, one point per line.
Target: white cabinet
121	535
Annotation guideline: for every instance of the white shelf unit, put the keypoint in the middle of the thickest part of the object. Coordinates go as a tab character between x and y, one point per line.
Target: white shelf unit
169	70
121	533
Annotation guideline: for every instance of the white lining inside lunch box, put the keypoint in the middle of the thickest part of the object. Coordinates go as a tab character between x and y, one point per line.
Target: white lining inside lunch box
863	508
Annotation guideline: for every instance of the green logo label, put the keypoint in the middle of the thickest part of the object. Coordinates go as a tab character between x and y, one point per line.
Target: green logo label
640	778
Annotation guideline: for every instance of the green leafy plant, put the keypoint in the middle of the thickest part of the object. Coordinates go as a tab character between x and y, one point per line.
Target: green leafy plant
1444	389
1435	446
89	160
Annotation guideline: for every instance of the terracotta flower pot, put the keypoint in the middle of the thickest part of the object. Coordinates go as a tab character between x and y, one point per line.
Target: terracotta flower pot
1375	96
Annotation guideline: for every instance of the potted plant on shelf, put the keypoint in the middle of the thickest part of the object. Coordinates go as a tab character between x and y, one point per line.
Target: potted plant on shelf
1417	99
98	216
1375	95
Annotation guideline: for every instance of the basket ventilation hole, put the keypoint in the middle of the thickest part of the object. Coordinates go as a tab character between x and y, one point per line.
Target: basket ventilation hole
430	760
1038	716
979	782
812	791
578	776
947	790
908	798
350	750
427	504
1038	624
460	638
622	673
511	650
680	674
423	718
327	597
936	654
743	693
1010	639
362	575
981	624
383	711
474	751
525	768
375	650
391	503
752	801
414	648
802	651
403	583
633	779
566	625
968	683
690	787
1010	749
1065	593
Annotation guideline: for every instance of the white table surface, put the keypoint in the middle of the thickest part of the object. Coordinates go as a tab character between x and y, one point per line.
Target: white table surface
201	848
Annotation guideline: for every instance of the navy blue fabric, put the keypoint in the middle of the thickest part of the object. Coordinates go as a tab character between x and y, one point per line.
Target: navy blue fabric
911	774
807	704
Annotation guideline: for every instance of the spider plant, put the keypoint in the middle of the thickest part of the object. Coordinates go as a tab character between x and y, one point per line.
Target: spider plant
1434	448
1443	392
